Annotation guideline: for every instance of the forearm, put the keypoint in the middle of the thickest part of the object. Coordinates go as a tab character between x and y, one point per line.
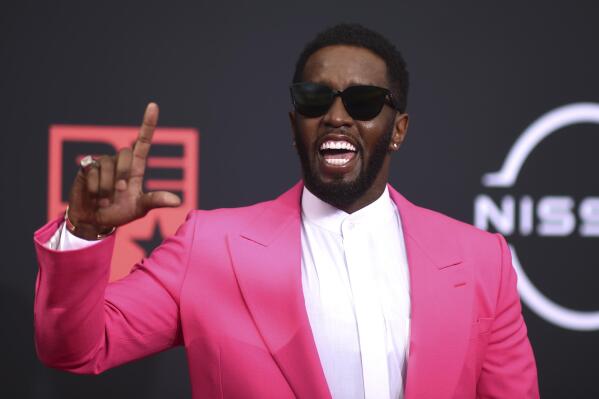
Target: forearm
69	302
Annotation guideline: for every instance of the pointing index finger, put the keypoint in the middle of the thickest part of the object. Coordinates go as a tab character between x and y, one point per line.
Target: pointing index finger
143	142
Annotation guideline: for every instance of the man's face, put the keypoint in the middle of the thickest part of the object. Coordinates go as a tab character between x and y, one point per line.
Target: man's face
354	175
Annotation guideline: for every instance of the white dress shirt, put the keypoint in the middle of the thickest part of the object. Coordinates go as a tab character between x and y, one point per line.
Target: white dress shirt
64	240
356	289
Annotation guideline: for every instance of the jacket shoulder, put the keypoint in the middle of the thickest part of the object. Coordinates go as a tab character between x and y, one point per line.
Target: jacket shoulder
462	231
221	221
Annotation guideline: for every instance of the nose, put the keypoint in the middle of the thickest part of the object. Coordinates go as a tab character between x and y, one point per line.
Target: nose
337	115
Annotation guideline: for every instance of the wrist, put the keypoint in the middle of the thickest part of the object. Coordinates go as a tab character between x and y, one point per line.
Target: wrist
86	231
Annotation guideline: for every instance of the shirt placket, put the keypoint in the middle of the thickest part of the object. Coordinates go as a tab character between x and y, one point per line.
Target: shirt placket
368	311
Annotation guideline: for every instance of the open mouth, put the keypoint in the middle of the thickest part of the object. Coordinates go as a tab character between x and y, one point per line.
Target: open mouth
337	152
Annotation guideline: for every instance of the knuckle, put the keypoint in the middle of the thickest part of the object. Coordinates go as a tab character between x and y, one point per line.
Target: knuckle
125	153
121	175
144	139
92	188
107	163
149	122
80	177
139	157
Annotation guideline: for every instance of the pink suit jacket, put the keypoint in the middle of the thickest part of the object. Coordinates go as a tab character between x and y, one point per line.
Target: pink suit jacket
227	286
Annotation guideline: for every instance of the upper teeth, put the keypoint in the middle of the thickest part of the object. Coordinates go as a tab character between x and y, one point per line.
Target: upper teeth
337	145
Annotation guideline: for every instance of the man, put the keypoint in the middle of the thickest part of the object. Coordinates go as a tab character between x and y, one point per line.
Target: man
338	288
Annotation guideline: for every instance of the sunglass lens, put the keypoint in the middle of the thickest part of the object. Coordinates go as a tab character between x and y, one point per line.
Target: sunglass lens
311	99
364	102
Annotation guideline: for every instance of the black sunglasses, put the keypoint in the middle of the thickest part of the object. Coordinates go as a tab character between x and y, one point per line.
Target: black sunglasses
361	102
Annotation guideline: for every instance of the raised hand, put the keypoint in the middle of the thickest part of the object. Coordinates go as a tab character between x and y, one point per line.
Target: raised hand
109	194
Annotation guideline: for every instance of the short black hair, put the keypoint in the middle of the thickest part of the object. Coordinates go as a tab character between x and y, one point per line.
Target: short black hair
360	36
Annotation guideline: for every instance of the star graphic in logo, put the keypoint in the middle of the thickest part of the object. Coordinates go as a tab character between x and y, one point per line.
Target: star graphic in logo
149	244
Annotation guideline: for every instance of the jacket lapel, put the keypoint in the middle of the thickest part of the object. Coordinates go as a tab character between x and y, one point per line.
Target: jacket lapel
266	259
441	295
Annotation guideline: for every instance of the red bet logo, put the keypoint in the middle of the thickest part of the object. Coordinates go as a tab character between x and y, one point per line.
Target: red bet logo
172	165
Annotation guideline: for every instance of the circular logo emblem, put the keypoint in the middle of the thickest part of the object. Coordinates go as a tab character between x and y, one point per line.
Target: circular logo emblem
556	214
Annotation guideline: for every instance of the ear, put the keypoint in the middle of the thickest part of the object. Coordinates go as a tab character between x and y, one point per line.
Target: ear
400	129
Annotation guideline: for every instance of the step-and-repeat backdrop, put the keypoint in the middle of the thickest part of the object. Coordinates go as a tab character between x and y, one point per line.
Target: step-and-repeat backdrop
504	134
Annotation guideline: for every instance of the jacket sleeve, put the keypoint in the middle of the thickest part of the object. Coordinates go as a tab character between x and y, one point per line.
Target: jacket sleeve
85	325
509	369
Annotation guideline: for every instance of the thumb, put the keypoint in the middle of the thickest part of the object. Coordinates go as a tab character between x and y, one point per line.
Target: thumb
159	199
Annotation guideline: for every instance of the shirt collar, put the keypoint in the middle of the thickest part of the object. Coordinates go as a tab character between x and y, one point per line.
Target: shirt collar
326	216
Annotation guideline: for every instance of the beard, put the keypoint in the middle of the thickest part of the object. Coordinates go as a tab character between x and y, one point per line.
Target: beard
341	193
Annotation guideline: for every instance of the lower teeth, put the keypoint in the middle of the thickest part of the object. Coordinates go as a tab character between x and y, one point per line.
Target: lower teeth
337	161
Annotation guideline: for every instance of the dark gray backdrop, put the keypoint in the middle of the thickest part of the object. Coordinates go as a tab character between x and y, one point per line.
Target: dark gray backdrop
481	73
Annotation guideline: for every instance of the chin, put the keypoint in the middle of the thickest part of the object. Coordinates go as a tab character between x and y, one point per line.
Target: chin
337	192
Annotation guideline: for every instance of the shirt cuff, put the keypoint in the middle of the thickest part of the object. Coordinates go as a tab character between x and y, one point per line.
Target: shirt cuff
64	240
